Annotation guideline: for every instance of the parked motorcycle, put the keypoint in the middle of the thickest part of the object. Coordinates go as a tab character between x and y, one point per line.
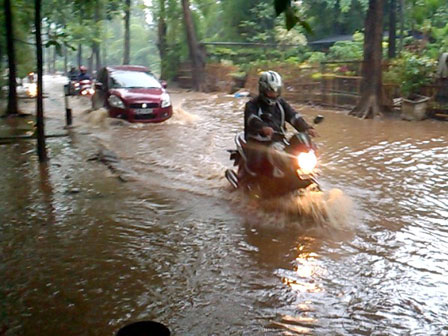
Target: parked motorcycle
296	170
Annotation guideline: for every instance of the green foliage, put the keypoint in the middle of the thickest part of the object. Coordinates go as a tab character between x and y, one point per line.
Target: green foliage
411	72
316	57
440	43
332	17
292	14
24	47
260	27
233	14
346	50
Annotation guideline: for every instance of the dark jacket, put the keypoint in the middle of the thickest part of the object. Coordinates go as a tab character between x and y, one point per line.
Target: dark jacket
258	114
83	76
73	75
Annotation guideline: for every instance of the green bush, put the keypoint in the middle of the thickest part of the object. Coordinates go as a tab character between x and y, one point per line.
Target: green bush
411	72
316	57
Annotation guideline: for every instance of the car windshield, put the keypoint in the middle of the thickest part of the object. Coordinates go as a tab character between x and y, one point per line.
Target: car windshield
134	79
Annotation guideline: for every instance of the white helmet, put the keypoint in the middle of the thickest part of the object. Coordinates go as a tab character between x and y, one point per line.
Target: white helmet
270	81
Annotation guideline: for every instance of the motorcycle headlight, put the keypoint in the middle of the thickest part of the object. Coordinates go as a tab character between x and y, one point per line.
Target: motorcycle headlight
114	101
32	90
165	100
307	161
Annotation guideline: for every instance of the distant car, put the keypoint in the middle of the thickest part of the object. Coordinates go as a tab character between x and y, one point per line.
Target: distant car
133	93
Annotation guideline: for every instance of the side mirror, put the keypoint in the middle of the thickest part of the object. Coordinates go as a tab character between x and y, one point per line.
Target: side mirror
164	84
318	119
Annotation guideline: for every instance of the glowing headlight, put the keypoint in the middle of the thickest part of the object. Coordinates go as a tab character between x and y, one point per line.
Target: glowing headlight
307	162
114	101
165	100
32	90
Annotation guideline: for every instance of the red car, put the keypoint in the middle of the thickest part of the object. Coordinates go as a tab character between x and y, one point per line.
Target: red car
133	93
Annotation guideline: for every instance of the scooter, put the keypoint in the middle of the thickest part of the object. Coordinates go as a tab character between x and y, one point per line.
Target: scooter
81	88
85	88
295	171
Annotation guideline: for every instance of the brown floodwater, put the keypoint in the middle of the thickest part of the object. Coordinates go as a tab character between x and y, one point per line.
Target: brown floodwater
84	253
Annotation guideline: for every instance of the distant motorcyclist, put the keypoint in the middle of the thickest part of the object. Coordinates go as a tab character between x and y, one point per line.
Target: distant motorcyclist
265	116
72	74
83	75
31	77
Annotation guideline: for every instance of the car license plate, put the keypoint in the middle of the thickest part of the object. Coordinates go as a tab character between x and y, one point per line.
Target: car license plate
141	111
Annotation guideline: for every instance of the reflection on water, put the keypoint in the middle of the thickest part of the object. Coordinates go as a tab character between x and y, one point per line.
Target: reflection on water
84	253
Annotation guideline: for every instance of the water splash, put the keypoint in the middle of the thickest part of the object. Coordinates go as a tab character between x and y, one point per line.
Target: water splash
183	117
327	210
96	117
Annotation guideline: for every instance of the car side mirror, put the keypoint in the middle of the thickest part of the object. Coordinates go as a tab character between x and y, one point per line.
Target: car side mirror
164	84
318	119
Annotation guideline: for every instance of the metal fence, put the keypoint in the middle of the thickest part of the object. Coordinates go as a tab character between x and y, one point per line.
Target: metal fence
338	84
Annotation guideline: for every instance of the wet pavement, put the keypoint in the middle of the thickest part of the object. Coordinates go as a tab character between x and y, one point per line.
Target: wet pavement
157	234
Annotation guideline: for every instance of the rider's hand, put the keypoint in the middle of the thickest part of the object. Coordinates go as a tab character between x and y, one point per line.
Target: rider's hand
312	132
267	131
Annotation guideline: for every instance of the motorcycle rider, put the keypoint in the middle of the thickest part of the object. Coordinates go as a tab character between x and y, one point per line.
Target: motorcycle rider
83	75
72	74
264	117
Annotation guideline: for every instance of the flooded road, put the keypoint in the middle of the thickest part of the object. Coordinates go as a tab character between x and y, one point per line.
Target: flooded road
83	253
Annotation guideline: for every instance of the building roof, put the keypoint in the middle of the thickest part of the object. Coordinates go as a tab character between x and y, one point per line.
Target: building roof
332	39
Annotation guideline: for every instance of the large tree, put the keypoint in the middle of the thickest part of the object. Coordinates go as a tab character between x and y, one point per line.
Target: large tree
127	34
196	56
12	107
370	105
162	38
41	148
392	28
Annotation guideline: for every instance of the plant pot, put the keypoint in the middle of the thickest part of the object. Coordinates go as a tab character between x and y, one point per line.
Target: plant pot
414	109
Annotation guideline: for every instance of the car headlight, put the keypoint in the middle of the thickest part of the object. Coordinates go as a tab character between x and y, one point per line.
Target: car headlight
307	162
165	100
114	101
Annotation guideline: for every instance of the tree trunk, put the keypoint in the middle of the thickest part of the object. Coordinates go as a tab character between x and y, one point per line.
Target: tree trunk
90	61
1	71
370	105
392	50
196	55
53	62
127	33
96	45
65	60
96	55
48	51
400	47
80	60
162	29
41	148
104	45
79	55
12	107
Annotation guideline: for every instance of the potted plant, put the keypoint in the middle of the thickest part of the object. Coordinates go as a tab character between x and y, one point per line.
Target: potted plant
414	72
